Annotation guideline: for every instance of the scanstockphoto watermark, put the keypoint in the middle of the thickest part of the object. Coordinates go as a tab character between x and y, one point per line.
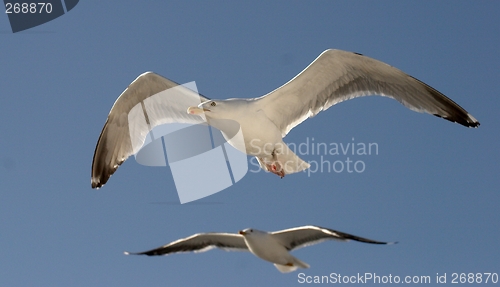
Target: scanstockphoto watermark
376	278
363	278
329	157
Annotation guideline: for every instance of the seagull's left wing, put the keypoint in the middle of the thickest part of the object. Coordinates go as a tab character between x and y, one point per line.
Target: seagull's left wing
303	236
199	243
149	101
337	76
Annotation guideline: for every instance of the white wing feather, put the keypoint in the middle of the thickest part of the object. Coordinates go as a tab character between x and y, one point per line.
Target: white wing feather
142	104
200	242
337	76
303	236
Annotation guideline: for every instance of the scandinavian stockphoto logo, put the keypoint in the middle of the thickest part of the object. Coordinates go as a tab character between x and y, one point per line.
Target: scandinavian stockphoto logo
329	157
203	160
25	15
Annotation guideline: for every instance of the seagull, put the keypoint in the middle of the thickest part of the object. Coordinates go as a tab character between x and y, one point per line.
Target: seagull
333	77
270	246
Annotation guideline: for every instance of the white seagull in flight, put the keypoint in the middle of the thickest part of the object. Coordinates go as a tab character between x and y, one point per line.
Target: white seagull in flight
270	246
335	76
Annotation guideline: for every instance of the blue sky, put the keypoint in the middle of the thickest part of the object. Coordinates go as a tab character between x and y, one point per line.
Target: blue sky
433	186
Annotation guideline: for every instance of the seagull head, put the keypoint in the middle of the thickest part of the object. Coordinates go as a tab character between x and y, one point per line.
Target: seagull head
251	231
245	231
219	109
206	106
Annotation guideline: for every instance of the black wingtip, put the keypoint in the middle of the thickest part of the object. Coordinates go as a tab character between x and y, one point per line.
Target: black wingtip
96	185
148	253
469	122
135	253
379	242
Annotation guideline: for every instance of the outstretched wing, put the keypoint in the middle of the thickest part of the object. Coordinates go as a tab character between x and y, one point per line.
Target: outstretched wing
302	236
336	76
150	100
199	243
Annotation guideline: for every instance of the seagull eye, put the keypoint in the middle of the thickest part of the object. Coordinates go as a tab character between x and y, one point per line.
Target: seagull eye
213	104
251	230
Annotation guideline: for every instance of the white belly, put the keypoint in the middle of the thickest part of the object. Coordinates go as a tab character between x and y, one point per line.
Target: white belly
268	250
259	135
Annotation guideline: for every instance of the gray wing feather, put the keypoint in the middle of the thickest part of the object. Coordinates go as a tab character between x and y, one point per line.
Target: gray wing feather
115	145
337	76
199	243
303	236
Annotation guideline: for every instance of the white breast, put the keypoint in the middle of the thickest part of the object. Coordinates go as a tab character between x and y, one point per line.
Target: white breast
265	247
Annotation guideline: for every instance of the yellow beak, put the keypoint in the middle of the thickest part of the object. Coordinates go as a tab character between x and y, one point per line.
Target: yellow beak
194	111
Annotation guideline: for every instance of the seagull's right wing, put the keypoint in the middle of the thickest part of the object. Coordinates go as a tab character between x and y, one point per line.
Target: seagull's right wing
150	100
303	236
199	243
336	76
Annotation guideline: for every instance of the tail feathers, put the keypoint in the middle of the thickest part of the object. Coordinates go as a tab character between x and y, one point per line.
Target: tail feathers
300	263
292	266
285	268
291	162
